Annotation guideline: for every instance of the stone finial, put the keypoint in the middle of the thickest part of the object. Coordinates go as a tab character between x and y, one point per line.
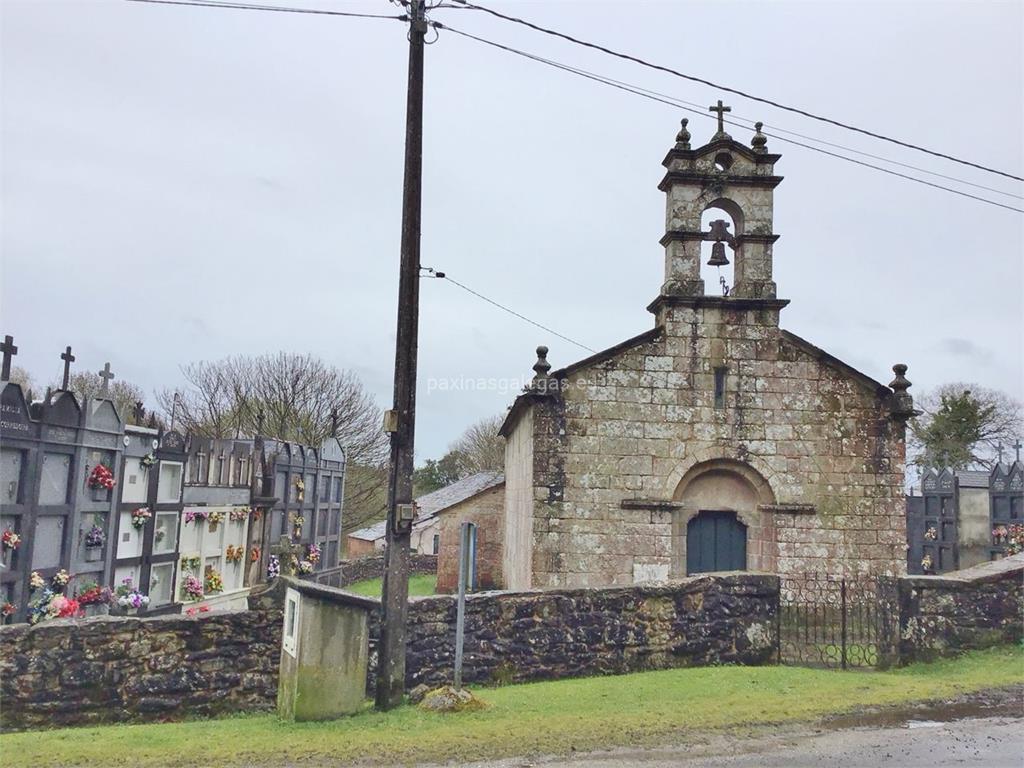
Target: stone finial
760	141
683	137
542	367
903	402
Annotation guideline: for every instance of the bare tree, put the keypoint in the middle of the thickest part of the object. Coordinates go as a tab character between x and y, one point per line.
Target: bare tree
290	397
481	448
22	377
124	394
963	426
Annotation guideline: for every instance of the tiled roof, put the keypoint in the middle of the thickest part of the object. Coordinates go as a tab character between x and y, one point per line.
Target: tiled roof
969	478
431	504
371	533
438	501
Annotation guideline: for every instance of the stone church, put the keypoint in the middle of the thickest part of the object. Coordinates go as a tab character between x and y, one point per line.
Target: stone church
716	440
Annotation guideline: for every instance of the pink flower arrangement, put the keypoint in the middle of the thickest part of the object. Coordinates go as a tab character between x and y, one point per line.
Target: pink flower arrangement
8	609
313	553
10	539
193	588
102	477
192	515
140	517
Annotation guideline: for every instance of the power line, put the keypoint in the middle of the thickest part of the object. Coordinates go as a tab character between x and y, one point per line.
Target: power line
443	276
681	105
699	110
736	91
274	8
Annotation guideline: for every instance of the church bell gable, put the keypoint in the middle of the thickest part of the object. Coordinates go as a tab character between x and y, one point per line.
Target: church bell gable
737	180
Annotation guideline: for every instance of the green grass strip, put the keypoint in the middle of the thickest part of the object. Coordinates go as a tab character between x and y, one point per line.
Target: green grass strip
549	717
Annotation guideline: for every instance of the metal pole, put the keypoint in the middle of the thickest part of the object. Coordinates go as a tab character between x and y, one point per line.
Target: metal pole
460	613
391	669
842	592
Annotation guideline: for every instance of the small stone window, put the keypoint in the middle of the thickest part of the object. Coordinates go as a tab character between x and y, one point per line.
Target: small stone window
720	373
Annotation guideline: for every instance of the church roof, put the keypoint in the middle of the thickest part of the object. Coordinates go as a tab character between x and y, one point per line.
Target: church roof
824	357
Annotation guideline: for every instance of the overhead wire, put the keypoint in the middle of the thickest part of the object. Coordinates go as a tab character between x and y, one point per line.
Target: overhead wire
273	8
728	89
683	105
444	276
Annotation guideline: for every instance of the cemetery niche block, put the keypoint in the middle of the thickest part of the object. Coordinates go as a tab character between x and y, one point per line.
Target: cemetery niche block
324	652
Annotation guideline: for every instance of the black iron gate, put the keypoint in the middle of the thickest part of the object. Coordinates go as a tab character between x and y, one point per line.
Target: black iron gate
827	621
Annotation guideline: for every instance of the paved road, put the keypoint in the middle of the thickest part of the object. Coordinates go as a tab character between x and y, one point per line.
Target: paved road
991	742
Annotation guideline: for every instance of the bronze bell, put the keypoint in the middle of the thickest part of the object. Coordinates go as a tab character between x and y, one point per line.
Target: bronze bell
718	257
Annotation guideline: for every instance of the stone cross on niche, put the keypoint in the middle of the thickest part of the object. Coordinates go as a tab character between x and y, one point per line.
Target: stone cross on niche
721	110
106	375
139	412
287	552
68	359
9	351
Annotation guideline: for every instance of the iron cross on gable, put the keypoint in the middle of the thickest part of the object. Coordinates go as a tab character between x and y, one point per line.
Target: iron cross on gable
721	110
9	351
1016	448
106	375
68	359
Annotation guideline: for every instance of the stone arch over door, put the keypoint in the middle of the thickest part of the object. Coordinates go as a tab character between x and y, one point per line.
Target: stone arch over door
722	485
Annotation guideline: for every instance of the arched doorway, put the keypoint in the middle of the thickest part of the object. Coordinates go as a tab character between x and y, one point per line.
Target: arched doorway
715	541
719	526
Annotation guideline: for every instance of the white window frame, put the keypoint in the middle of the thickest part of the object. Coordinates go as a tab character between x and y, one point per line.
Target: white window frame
292	606
160	498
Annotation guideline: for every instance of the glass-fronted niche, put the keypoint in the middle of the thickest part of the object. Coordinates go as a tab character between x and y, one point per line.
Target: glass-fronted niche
212	554
136	481
55	479
12	468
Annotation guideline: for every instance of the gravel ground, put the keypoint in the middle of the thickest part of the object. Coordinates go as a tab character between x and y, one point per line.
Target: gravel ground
984	729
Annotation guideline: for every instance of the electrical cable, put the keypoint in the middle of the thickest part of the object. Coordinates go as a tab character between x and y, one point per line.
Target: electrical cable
444	276
738	92
681	105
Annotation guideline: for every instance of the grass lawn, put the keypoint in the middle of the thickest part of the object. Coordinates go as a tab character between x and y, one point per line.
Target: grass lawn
419	586
550	717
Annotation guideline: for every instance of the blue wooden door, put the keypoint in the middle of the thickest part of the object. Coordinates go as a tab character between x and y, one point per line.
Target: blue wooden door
715	541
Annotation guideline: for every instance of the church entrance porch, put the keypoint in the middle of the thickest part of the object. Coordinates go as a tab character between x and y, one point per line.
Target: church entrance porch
718	524
715	541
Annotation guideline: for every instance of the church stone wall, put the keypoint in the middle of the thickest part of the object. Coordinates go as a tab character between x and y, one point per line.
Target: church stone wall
820	435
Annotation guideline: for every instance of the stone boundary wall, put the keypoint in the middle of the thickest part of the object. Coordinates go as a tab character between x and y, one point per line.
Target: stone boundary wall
963	610
117	669
363	568
541	635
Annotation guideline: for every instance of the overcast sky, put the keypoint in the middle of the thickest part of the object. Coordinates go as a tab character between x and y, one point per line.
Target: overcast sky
187	183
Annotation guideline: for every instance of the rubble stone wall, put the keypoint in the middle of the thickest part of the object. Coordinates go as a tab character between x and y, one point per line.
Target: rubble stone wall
106	669
116	669
364	568
963	610
515	637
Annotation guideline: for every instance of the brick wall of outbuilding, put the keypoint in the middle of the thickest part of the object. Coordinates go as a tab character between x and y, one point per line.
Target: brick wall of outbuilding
487	511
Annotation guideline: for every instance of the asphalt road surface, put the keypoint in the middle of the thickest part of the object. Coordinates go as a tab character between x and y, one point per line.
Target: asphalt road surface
989	742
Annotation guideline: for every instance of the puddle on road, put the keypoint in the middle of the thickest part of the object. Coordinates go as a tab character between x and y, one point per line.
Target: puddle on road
932	715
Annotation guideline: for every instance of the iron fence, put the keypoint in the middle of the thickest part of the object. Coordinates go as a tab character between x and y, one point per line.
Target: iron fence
829	621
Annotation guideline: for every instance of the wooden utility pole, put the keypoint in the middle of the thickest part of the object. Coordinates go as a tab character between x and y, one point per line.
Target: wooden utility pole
402	419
